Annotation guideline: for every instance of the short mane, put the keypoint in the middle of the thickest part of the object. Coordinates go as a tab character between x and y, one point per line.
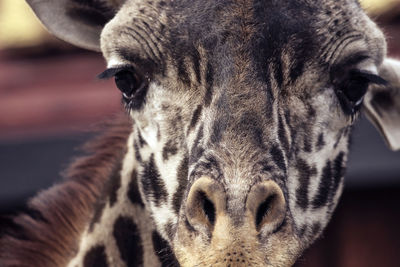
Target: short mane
47	232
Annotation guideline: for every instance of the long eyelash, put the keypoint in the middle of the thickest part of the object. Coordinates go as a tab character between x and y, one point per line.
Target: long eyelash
372	78
111	72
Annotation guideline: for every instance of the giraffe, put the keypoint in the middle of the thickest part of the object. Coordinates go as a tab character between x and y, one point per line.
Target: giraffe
234	144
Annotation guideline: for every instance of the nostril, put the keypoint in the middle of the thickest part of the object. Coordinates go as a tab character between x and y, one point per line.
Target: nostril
267	205
205	198
208	208
263	210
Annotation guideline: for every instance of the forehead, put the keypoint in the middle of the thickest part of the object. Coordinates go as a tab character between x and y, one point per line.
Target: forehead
258	31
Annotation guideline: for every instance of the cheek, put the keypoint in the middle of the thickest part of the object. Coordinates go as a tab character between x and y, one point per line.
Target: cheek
315	183
149	131
164	116
315	173
331	116
150	119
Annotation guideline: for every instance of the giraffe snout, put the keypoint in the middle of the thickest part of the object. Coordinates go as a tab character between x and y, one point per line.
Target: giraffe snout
228	225
207	202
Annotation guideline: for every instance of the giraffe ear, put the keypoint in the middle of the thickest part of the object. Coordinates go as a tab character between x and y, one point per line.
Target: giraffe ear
78	22
382	103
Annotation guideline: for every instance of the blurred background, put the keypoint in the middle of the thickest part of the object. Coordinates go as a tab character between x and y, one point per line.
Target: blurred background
50	102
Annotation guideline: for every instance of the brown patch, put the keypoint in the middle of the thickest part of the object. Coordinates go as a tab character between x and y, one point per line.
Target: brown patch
115	181
96	257
170	149
182	181
163	250
98	212
129	241
67	207
133	191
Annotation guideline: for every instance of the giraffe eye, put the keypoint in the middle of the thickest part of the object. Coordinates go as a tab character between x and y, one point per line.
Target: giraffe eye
131	83
127	82
353	87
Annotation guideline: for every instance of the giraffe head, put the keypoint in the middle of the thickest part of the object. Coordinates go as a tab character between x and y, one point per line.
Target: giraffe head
242	113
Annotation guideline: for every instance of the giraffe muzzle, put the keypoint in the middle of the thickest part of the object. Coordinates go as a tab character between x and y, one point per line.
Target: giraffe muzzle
223	231
265	206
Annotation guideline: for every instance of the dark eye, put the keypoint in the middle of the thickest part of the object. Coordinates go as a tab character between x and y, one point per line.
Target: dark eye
131	83
352	88
128	83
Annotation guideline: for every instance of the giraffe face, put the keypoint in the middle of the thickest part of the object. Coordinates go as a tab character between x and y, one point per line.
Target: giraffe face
243	113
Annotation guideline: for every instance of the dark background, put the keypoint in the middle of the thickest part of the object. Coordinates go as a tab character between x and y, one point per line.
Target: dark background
50	103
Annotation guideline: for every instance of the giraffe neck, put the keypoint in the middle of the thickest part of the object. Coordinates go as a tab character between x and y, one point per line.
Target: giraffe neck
95	212
119	221
121	232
